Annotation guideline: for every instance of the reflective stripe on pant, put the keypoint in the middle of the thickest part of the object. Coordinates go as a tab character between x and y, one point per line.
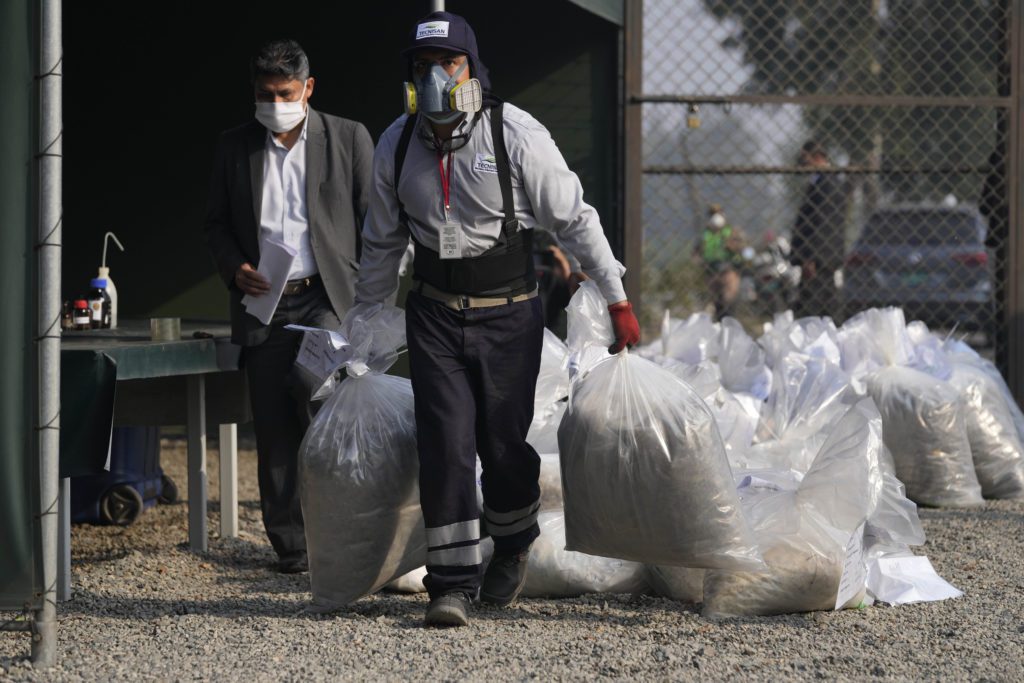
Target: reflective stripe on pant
474	374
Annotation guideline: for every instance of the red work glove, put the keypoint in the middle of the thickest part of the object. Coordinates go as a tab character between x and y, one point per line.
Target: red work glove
625	326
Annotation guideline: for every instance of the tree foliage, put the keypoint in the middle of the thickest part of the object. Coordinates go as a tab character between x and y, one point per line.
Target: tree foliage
920	48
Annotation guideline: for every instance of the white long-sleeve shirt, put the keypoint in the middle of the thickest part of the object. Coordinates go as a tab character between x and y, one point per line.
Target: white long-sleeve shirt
546	195
283	214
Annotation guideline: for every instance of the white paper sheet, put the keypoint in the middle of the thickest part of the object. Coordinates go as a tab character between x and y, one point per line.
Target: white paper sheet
322	351
854	571
904	579
275	264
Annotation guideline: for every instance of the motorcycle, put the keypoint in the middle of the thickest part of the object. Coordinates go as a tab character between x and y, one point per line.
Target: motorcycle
774	279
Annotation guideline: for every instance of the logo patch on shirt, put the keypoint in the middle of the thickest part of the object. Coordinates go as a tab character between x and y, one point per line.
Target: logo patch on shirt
485	163
433	29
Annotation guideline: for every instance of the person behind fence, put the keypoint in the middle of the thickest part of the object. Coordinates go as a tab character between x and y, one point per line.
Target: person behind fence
994	207
301	177
720	250
469	178
817	244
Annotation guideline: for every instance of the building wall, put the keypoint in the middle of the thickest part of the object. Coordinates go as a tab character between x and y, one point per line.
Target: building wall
147	92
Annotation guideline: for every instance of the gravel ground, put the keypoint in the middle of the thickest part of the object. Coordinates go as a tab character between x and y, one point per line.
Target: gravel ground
144	607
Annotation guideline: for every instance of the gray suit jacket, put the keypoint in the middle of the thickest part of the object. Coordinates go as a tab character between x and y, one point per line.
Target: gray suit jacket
339	159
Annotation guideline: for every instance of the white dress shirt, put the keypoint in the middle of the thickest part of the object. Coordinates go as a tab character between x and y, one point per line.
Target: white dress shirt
283	215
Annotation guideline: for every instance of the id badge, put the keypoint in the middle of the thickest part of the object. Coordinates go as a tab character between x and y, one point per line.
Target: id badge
450	243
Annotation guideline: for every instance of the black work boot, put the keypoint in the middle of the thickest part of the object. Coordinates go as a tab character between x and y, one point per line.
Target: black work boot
504	578
450	609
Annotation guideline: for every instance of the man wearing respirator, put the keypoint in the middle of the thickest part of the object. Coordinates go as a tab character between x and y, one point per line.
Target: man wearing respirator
468	179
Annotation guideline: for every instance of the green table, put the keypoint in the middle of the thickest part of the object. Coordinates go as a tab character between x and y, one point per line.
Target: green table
186	381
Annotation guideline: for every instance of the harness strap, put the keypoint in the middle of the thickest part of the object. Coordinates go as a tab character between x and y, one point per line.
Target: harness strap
504	168
509	263
400	150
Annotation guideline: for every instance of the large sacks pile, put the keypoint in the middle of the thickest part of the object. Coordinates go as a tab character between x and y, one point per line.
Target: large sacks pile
754	477
925	424
993	421
818	555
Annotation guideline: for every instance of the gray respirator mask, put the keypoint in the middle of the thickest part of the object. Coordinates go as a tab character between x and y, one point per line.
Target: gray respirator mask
438	97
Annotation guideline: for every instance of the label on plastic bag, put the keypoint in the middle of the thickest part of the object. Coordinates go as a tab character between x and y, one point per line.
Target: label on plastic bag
322	351
854	570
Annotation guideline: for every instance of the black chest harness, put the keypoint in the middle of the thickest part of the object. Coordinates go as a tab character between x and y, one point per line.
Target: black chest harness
506	268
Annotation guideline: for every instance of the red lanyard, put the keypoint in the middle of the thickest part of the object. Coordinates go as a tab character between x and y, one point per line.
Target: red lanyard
446	180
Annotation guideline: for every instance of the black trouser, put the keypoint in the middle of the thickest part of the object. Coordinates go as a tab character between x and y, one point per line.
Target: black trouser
281	409
474	374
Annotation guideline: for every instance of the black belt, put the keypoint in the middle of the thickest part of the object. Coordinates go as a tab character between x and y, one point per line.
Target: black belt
301	286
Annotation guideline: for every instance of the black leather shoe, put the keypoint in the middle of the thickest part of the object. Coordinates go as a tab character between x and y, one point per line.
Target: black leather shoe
293	563
504	578
450	609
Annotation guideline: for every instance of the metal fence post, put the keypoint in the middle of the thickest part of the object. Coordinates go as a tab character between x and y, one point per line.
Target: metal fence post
632	201
48	250
1015	163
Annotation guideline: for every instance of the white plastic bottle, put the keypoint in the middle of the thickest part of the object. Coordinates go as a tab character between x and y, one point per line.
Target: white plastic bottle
104	273
112	293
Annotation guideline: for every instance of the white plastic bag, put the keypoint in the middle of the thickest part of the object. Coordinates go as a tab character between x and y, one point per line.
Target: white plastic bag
894	521
926	433
685	584
811	535
991	430
644	472
689	341
812	336
550	482
996	446
411	582
543	434
742	362
809	395
554	572
553	379
358	471
552	389
923	416
874	339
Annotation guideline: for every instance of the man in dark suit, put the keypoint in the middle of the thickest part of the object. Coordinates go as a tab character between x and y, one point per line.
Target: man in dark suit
818	234
298	177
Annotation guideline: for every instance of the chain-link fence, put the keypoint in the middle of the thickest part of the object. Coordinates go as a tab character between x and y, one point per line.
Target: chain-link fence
827	157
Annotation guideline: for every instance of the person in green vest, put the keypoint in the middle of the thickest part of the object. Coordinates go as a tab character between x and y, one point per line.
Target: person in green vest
720	250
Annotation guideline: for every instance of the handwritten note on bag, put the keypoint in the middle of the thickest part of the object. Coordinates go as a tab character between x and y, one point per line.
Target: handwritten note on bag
322	351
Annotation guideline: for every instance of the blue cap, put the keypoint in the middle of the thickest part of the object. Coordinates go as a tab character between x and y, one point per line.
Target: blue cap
98	282
447	31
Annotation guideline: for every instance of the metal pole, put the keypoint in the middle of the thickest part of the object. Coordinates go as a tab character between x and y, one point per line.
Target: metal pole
633	157
44	640
436	6
196	388
1015	202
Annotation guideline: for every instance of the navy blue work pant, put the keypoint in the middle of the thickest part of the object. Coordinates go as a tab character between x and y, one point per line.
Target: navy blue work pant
474	374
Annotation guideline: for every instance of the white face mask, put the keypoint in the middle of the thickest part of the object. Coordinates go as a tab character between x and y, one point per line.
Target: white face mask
281	117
